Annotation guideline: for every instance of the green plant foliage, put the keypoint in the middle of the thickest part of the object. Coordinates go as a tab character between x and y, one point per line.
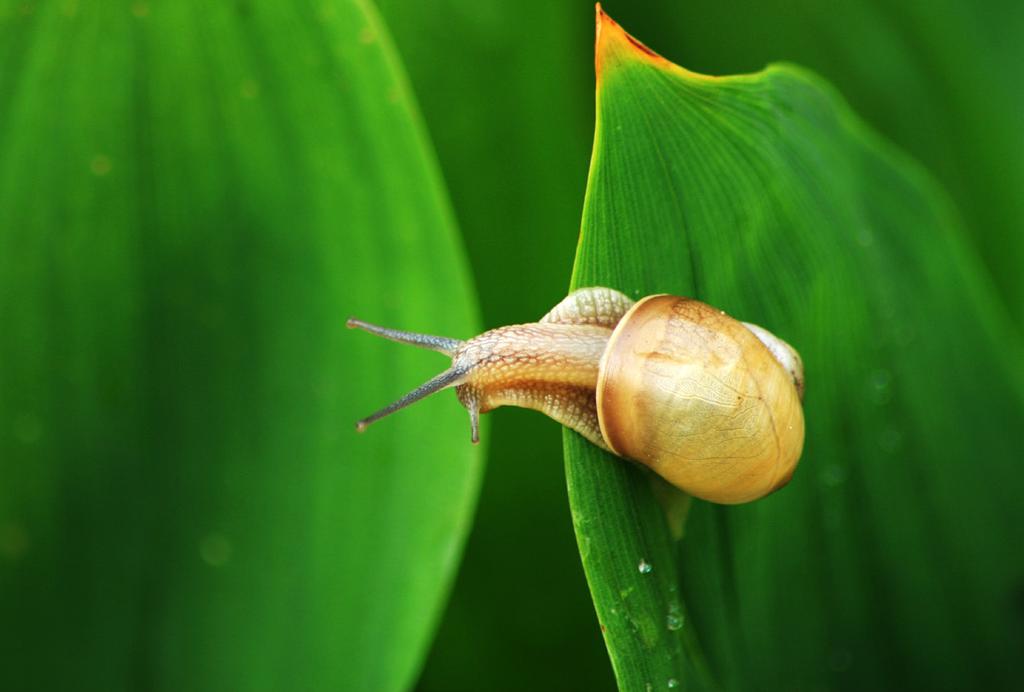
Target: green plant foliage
507	93
931	75
193	198
889	561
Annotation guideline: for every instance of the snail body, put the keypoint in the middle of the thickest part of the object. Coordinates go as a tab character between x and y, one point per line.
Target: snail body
711	404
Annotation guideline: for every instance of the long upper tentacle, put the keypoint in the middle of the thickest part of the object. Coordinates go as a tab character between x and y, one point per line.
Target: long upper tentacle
441	344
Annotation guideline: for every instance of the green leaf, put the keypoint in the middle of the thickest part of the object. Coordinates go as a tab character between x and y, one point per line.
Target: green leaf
193	198
889	560
930	76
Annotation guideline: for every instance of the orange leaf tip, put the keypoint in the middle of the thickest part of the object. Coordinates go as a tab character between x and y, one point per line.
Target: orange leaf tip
615	46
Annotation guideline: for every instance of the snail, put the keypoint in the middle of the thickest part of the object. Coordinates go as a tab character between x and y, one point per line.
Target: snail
710	404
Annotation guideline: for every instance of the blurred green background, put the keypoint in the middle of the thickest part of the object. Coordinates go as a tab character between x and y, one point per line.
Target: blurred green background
506	94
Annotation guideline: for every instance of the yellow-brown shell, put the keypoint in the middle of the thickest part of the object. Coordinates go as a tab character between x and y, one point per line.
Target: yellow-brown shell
696	396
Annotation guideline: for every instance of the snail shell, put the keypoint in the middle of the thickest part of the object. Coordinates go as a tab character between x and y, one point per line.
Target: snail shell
700	399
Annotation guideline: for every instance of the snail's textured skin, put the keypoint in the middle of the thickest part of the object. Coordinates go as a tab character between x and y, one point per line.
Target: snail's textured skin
550	368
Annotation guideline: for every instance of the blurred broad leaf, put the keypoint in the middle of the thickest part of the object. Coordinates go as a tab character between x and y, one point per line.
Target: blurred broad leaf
889	562
193	198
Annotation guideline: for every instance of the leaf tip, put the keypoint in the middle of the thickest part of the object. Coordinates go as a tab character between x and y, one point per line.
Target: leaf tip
615	46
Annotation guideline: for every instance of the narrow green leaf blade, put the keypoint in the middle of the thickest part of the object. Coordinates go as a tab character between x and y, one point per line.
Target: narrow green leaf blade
194	197
888	562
